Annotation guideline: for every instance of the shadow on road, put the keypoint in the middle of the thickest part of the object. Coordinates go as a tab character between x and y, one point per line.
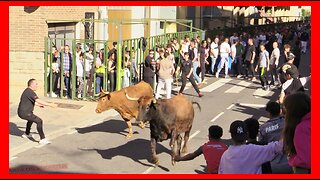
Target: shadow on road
202	171
117	126
247	87
33	169
137	150
256	112
15	130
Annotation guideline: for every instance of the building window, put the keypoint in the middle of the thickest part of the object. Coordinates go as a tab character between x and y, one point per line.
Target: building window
89	26
161	24
61	33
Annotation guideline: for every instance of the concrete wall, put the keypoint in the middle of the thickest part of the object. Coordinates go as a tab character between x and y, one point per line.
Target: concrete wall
137	30
162	12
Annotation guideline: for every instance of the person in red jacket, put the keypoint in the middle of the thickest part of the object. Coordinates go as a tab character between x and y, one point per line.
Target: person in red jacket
212	150
297	137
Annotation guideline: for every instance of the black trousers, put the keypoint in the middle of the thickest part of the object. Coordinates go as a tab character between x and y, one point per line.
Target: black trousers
112	77
249	68
31	118
184	82
263	76
273	74
203	69
238	66
55	81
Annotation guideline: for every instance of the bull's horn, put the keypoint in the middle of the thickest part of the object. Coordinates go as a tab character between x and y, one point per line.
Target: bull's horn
130	98
104	91
154	100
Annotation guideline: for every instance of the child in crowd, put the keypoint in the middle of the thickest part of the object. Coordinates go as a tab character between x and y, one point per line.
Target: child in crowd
212	150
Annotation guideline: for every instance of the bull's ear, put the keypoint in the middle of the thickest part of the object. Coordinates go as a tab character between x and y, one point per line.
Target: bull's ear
108	96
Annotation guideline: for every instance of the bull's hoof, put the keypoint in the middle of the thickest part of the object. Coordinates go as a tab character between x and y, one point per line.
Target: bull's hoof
156	161
173	162
129	136
184	150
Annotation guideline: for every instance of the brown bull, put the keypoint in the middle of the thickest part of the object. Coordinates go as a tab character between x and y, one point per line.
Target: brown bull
168	118
127	107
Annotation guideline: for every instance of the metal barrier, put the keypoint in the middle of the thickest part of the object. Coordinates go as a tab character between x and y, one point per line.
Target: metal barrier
129	71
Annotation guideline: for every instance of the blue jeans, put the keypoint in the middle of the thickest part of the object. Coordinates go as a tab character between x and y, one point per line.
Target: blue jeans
223	63
195	75
67	83
99	84
213	63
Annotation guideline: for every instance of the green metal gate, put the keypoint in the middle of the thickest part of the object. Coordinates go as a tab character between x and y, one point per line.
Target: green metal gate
124	75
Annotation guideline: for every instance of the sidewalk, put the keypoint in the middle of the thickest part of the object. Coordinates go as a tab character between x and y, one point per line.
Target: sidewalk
63	120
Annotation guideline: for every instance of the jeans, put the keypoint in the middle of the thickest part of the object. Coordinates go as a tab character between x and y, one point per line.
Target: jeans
67	83
99	83
161	84
304	46
213	63
224	62
195	75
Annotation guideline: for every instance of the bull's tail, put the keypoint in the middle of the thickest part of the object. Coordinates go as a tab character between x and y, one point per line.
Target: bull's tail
193	102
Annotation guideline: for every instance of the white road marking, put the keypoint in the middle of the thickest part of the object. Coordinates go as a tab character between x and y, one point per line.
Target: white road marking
149	170
230	106
252	105
239	87
260	93
215	85
215	118
12	158
194	134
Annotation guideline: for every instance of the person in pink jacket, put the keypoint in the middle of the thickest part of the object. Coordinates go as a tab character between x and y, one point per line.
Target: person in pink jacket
297	137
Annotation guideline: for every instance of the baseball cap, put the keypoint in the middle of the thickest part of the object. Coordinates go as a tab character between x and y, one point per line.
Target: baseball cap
239	130
291	56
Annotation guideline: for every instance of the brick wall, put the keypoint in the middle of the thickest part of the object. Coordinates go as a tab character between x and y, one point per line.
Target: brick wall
27	29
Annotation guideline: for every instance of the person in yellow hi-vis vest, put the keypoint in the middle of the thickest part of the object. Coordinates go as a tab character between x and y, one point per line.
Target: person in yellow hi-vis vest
263	65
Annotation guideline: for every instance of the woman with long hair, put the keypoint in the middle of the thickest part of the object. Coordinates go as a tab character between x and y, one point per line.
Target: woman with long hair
296	134
112	71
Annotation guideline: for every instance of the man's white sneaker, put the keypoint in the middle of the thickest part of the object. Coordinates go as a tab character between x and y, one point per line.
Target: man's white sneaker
24	135
44	141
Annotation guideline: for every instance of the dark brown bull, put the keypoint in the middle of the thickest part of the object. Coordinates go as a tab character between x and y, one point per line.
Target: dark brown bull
168	118
127	107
